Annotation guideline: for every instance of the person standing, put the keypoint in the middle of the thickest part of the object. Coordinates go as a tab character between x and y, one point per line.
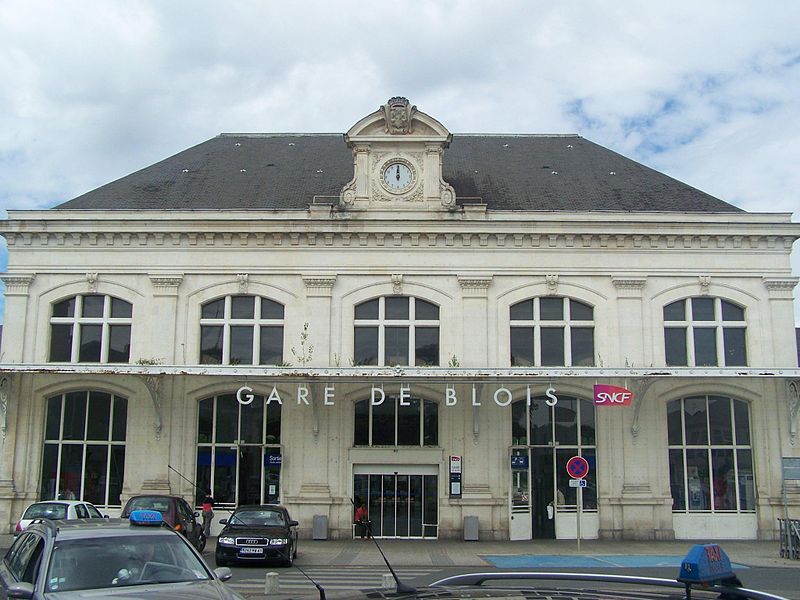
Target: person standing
208	513
363	522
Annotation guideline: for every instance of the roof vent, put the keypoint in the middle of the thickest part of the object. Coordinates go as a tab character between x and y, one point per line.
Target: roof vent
238	144
291	143
569	145
185	170
612	172
319	171
554	172
242	170
505	145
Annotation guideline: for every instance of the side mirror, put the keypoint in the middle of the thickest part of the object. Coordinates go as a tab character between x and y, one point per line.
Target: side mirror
106	517
293	523
223	521
223	573
20	590
196	514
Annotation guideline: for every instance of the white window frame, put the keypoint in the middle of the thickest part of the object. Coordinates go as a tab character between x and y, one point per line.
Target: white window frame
106	321
718	324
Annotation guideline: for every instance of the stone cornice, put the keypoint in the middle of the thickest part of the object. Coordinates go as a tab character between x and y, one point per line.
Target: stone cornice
780	287
319	285
481	234
166	284
18	284
474	286
629	287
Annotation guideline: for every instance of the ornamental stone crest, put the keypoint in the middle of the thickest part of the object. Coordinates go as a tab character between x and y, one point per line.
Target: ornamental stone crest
398	113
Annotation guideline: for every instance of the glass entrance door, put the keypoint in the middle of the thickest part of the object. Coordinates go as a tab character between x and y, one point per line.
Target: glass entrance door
399	505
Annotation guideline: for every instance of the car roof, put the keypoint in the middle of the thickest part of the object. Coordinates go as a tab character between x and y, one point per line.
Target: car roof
67	502
262	507
87	528
170	496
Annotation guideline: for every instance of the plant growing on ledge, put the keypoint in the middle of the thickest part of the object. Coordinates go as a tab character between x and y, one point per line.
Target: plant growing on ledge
306	352
454	362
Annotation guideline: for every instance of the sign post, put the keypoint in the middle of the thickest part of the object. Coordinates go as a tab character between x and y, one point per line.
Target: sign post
578	468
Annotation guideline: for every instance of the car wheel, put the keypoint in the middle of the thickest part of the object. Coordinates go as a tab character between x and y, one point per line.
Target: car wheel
289	558
201	542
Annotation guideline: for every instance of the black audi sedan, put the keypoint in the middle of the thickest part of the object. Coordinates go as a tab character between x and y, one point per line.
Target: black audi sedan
257	533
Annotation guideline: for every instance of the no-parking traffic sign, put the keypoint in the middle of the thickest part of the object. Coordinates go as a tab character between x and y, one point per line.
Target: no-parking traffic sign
577	467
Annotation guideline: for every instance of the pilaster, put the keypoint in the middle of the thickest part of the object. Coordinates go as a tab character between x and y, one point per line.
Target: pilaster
474	297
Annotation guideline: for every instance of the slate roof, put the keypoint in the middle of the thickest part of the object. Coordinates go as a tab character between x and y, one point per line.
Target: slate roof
508	172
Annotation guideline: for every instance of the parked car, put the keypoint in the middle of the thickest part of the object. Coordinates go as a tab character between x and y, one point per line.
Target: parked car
257	533
57	509
140	557
176	512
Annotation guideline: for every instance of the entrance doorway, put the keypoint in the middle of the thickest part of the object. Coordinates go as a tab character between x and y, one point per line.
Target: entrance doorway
532	485
400	503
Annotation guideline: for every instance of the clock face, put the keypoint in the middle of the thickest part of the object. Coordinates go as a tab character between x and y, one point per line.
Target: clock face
397	176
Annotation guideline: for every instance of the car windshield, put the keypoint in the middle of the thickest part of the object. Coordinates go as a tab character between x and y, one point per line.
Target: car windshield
147	503
258	517
93	512
126	561
46	510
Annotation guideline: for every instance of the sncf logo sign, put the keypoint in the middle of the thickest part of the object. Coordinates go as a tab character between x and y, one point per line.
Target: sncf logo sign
611	395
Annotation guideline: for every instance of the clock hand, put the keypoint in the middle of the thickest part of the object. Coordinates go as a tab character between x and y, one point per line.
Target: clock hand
398	173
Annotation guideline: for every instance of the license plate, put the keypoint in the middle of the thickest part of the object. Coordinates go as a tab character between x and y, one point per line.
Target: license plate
251	551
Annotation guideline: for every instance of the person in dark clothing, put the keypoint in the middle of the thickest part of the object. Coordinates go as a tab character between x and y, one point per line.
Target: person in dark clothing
364	525
208	513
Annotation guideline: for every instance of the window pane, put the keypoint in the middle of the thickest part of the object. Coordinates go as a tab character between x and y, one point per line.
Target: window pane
705	347
731	312
676	482
383	423
396	308
91	336
675	346
60	343
52	430
252	421
273	422
587	422
408	423
214	309
225	475
243	307
366	346
566	421
241	352
119	343
396	341
519	426
521	346
541	427
425	311
361	424
99	416
699	484
551	309
719	419
120	309
562	477
47	484
427	346
430	424
94	478
271	350
211	345
723	484
69	481
674	426
589	495
65	308
582	346
203	473
522	311
742	422
205	420
116	475
227	418
747	484
120	425
93	306
367	310
578	311
675	311
735	347
74	416
694	415
552	346
271	309
703	309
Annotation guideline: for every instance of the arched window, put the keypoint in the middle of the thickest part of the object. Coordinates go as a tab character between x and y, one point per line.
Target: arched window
396	422
710	457
238	450
396	330
241	330
91	328
84	448
705	332
552	331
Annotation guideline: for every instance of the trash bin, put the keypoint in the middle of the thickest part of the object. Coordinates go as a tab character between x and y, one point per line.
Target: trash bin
319	527
471	528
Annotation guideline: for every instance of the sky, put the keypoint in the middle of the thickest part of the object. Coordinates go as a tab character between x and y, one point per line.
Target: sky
707	92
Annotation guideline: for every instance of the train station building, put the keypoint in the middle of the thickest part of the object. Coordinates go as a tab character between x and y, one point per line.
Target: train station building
430	323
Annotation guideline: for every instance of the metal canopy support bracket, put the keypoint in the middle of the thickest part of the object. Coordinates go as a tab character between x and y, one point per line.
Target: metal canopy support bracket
643	384
153	383
793	400
5	393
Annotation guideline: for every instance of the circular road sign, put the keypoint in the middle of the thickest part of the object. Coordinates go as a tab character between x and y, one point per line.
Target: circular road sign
577	467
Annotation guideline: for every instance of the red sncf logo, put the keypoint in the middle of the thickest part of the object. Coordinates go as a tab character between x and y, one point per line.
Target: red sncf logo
611	395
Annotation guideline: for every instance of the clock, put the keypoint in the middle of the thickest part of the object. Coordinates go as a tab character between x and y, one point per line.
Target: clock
397	176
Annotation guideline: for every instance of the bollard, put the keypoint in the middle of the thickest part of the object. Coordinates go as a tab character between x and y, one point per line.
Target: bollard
388	581
271	583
